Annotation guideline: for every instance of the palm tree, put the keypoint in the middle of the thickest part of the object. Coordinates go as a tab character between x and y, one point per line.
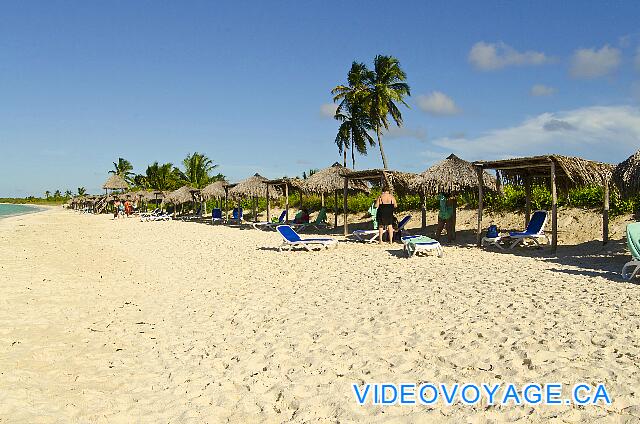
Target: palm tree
123	168
140	181
162	177
68	194
197	167
351	112
57	195
353	130
82	191
47	194
386	87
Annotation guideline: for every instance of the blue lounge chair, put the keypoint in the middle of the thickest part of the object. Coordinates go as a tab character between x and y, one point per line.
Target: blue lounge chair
236	215
216	215
369	236
270	225
633	242
292	239
534	231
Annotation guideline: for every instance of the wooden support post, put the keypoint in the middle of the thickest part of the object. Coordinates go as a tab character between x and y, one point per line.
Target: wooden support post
423	203
452	224
344	195
255	209
335	209
322	200
605	214
300	191
226	204
527	200
480	189
268	205
286	202
554	209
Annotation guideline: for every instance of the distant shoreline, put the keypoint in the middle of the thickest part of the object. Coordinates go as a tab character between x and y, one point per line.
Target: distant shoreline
29	209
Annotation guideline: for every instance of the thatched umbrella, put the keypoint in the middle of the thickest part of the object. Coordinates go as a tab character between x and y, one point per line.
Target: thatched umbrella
115	182
627	175
330	180
452	175
252	187
181	195
213	190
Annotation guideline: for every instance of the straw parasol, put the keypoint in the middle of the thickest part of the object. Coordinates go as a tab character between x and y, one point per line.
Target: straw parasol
181	195
452	175
115	182
626	175
213	190
330	179
254	186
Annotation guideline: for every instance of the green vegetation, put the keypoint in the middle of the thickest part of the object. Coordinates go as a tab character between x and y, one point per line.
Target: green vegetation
513	200
166	176
34	200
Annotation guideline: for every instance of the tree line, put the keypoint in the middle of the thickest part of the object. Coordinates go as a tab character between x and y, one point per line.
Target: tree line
197	172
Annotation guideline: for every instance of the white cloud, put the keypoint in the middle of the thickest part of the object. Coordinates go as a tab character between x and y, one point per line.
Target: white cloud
542	90
604	133
592	63
492	56
404	132
328	110
438	103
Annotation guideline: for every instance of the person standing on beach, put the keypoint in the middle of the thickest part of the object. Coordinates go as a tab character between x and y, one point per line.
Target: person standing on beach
385	205
116	208
445	215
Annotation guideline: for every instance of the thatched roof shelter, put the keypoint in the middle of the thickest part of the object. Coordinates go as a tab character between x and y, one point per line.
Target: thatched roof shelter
294	183
254	186
115	182
452	175
561	171
398	182
213	190
330	179
627	175
182	195
570	171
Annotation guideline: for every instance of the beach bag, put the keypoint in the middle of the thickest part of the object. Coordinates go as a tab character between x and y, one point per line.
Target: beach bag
492	231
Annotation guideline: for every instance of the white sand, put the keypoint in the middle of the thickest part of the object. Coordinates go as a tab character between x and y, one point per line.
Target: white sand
123	321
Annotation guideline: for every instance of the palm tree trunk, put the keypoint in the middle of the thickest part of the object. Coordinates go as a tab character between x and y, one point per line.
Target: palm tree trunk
344	158
353	155
384	158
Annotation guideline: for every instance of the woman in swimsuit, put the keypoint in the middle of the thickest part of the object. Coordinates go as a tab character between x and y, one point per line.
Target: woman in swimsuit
386	203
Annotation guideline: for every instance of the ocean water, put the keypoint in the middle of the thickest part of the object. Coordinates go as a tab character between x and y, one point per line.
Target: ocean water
11	210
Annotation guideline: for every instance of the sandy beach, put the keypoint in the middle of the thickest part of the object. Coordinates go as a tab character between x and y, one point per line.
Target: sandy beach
106	321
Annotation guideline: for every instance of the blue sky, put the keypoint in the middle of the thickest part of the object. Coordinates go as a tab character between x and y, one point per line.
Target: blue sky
248	83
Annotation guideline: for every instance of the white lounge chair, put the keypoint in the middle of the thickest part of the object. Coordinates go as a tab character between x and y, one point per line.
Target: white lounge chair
270	225
292	239
369	236
633	242
418	243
